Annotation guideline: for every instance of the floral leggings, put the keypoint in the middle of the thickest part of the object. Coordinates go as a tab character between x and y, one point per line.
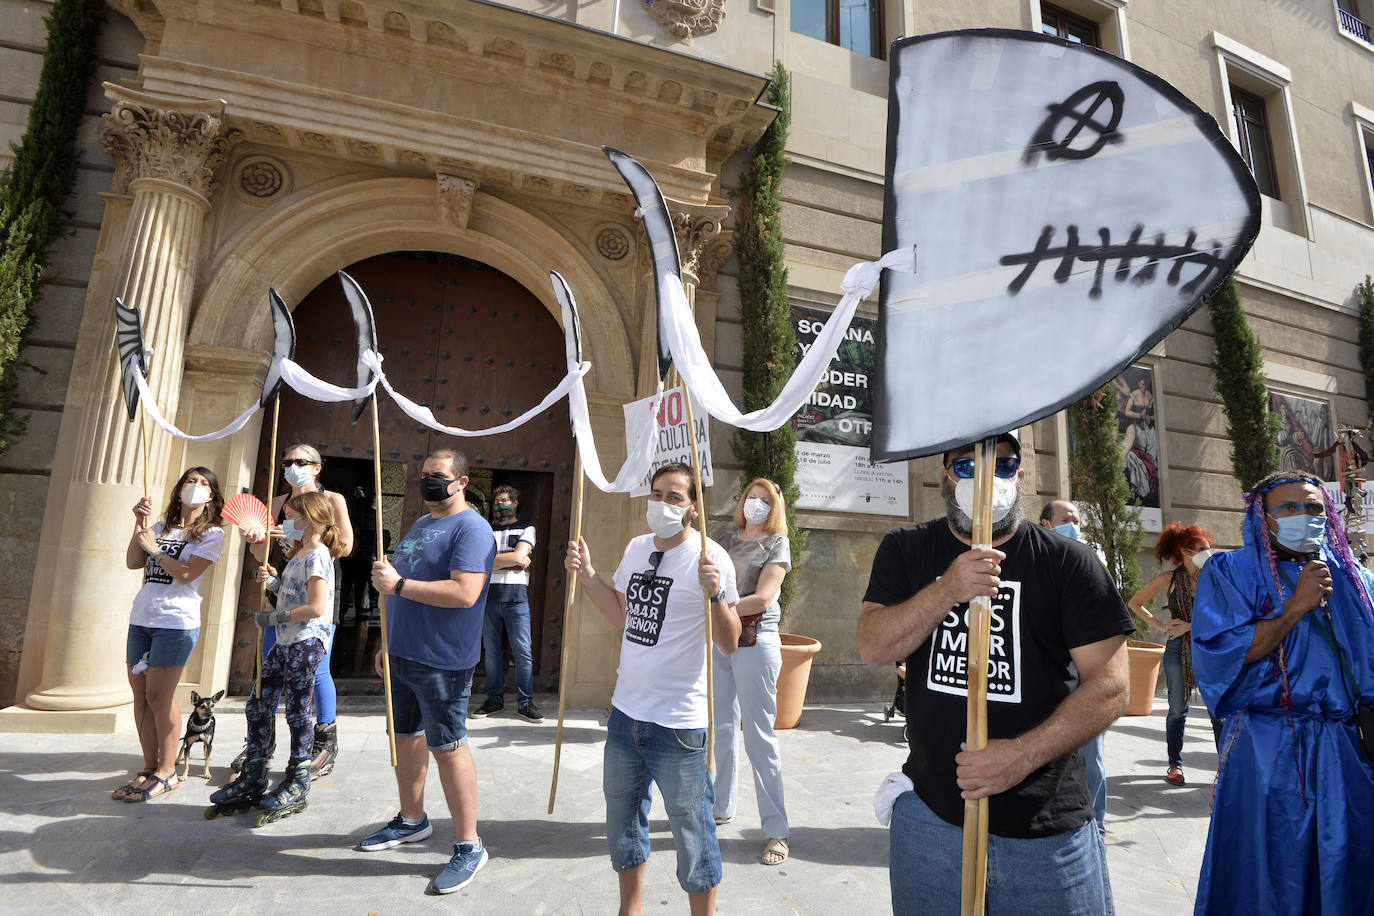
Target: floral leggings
287	669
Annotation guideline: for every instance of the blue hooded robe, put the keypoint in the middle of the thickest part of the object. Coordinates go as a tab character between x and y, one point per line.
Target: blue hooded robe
1292	828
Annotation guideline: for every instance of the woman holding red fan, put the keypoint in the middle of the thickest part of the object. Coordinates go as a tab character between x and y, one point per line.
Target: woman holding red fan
174	554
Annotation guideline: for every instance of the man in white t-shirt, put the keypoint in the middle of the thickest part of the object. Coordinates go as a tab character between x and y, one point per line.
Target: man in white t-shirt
658	719
508	608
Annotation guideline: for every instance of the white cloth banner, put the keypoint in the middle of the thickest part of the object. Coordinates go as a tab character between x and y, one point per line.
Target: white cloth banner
151	409
680	331
639	456
303	383
426	416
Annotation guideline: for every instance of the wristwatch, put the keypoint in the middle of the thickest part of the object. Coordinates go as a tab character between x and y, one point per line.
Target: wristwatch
718	596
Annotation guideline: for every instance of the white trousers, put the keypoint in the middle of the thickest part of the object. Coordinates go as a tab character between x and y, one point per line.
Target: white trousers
747	703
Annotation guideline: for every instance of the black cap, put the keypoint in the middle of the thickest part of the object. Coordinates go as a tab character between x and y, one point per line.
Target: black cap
1008	438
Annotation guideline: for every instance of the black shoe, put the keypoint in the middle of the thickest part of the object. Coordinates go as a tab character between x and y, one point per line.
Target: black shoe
489	707
531	712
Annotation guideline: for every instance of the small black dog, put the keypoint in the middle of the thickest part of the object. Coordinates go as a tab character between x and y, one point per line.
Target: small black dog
200	726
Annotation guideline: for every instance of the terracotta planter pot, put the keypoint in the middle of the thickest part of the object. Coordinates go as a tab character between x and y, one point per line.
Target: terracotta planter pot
1145	660
797	652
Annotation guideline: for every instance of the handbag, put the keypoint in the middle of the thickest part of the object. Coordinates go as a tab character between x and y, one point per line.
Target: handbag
749	630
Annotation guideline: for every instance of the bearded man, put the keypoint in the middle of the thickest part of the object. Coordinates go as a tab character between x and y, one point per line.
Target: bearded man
1056	678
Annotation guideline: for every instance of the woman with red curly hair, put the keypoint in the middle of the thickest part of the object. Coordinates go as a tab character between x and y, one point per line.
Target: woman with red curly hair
1186	548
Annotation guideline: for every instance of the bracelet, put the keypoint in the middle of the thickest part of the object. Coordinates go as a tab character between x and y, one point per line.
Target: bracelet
1026	752
399	583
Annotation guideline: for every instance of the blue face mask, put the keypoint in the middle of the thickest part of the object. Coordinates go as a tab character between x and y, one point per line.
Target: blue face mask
1301	533
1070	531
288	528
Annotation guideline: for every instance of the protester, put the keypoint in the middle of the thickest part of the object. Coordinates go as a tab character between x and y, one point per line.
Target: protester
1283	650
1186	548
301	627
657	728
508	609
437	599
1057	620
746	685
1063	518
173	553
301	466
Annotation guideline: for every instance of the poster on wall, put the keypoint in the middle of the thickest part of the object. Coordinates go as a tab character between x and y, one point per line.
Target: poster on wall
673	443
1307	437
835	428
1136	421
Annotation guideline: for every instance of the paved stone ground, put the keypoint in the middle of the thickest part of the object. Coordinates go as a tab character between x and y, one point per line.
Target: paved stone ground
66	847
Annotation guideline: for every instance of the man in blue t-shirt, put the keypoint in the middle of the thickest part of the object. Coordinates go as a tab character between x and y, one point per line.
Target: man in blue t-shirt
437	594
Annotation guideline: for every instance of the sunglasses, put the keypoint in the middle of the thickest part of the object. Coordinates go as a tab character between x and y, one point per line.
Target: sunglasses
1007	466
296	462
655	558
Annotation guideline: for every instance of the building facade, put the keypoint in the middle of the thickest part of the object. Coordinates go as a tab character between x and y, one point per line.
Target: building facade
447	153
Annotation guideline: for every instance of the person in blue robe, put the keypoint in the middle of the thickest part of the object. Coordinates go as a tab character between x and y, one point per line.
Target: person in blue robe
1283	651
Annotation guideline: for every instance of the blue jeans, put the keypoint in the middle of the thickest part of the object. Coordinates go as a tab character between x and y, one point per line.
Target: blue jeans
430	701
1062	875
514	618
675	759
1179	695
326	694
166	648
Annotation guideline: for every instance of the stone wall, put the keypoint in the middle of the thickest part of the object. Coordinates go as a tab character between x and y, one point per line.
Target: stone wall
52	340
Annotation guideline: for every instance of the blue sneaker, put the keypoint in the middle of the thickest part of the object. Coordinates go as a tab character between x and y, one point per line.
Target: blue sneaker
468	859
396	833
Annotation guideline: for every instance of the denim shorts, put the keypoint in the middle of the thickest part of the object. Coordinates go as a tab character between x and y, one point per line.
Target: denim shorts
1064	874
639	754
166	648
430	701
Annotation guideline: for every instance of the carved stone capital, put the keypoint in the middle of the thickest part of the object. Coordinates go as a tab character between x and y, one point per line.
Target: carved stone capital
455	198
688	19
699	244
185	143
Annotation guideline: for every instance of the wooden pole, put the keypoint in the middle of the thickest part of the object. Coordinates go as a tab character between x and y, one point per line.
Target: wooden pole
710	656
381	598
266	544
975	853
147	456
567	631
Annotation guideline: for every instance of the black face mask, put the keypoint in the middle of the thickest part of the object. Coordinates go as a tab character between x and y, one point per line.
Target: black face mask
504	512
434	489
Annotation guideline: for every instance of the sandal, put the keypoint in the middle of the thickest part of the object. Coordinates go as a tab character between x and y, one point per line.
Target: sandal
775	847
145	793
1174	777
722	821
123	791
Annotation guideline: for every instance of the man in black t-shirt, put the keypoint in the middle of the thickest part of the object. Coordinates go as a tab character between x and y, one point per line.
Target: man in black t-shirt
1056	678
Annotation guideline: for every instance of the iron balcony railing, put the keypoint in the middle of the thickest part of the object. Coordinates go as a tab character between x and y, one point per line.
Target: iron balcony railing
1353	25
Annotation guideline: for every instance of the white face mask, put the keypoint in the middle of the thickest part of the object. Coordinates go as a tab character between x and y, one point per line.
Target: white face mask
1202	556
1003	496
756	511
298	477
195	494
664	520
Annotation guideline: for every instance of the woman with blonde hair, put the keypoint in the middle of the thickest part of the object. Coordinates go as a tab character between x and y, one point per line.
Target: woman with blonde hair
305	599
1185	548
746	682
174	554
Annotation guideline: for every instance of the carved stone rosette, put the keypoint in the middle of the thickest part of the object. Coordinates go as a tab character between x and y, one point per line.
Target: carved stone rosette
688	19
184	143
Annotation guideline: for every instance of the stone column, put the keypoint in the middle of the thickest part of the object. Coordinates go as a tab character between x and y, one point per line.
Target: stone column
167	154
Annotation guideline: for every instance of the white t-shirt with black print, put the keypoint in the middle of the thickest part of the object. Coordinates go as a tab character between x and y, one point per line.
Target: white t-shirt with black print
662	674
165	601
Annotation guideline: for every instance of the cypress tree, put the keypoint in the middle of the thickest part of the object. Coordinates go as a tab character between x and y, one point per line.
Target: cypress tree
1237	366
1365	294
38	182
769	339
1097	474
